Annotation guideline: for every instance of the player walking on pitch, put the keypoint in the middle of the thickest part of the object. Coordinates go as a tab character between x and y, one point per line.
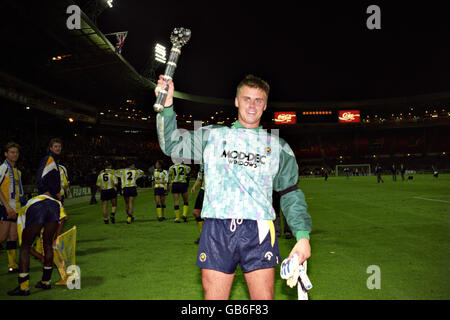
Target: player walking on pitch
107	183
178	176
129	177
161	178
242	164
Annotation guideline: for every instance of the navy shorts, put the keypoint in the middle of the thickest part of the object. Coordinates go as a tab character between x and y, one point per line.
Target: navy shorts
225	243
160	192
130	192
42	212
107	195
179	187
199	200
4	215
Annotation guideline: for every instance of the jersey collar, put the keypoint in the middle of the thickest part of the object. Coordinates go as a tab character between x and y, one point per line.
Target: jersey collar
239	125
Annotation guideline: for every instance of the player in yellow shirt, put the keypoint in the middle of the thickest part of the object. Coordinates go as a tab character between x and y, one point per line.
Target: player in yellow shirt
178	176
129	187
161	179
11	198
107	183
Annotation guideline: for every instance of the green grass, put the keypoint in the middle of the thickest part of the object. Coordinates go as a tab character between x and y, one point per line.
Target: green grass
356	223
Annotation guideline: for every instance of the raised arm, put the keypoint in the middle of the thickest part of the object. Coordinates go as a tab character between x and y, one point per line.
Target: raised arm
175	142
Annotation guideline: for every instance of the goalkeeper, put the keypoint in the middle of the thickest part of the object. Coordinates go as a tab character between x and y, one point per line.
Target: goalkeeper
242	164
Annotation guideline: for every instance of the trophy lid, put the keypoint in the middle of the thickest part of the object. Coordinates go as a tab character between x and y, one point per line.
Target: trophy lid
180	36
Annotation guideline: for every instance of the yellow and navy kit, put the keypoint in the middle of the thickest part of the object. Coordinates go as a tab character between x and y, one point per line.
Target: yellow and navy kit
129	176
48	178
39	210
64	179
107	180
161	178
11	185
179	173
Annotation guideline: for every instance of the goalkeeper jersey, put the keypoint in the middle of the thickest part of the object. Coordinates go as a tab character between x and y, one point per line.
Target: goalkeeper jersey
242	167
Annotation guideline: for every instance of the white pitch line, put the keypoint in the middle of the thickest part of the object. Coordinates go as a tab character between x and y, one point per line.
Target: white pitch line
431	199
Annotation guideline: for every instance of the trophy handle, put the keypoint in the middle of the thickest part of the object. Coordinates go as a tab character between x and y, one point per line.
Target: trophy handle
179	37
168	75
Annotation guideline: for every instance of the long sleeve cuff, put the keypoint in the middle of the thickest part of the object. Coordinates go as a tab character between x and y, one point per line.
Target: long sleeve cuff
302	235
168	111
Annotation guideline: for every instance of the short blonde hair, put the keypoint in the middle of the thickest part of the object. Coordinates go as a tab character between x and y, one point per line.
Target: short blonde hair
253	82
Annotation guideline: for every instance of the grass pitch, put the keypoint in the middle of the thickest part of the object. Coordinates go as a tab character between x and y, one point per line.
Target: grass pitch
400	227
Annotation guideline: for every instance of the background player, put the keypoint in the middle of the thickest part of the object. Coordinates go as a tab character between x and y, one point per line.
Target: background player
107	183
178	176
10	201
161	179
128	177
42	211
199	201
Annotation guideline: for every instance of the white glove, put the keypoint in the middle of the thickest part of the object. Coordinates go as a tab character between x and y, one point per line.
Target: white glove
290	270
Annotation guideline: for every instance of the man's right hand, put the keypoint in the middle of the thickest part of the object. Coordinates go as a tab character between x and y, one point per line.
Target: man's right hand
161	85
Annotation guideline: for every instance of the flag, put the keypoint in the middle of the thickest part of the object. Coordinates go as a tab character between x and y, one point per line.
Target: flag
120	36
64	253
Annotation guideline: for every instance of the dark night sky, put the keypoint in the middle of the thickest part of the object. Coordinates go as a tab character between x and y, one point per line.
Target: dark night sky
307	52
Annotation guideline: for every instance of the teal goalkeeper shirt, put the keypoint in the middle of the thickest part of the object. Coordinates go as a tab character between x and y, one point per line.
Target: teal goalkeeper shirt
242	167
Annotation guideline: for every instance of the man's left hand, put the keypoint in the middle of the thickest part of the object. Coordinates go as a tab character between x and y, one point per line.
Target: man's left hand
302	249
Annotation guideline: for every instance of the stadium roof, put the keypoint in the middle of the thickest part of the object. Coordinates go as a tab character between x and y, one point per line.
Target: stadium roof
44	60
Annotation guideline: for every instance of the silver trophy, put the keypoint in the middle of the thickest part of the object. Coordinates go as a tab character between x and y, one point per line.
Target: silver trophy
179	37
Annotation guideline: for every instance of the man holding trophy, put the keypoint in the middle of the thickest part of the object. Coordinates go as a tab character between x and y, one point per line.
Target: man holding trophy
243	164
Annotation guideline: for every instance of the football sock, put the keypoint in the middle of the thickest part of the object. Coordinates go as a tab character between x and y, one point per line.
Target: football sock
46	274
159	211
185	209
24	281
11	247
177	213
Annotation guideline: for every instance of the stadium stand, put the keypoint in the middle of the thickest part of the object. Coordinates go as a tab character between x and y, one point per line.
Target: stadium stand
100	106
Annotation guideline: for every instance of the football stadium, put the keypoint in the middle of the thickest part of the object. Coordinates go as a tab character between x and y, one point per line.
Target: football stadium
362	105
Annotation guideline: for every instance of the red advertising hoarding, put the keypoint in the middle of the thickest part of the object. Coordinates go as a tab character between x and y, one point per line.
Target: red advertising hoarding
285	117
349	116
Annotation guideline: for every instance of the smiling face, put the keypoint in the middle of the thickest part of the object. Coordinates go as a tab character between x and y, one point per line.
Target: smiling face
56	148
251	103
12	155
